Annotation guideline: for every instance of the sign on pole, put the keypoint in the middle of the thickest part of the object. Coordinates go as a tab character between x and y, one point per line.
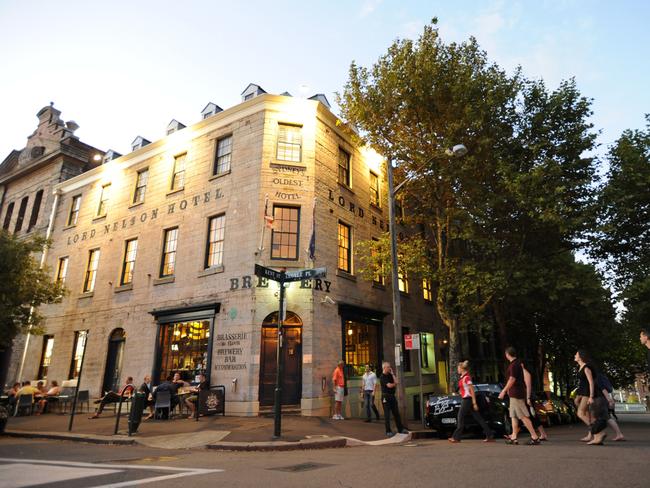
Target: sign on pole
411	341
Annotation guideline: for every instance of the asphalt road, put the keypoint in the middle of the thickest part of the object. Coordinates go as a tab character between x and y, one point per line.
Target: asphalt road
562	462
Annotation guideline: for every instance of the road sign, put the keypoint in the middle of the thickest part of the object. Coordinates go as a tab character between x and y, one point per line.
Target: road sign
305	274
288	276
269	273
411	341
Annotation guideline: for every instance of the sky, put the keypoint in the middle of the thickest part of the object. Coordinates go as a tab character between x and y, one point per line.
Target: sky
122	69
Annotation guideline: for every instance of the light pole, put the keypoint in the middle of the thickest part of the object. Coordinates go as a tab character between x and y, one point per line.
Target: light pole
458	150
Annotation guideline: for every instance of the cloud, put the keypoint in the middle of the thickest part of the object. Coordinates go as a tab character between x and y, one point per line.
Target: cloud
368	7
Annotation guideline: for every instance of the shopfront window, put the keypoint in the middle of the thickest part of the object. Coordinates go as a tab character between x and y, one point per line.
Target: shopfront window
362	346
183	348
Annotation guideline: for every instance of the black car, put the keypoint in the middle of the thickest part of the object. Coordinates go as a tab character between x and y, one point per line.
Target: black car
442	412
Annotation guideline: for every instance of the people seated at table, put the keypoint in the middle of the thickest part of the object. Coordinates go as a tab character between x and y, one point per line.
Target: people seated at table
112	397
193	399
171	384
11	394
51	396
27	389
147	388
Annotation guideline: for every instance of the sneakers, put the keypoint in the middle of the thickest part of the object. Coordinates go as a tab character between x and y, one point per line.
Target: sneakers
338	417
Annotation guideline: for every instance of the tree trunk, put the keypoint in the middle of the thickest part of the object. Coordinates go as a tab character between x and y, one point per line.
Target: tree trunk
502	327
454	354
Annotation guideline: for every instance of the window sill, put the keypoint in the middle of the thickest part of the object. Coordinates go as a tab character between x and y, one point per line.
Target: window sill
137	204
163	281
404	294
174	192
379	286
99	217
87	294
376	207
127	287
283	263
211	271
428	302
346	187
219	175
71	226
346	275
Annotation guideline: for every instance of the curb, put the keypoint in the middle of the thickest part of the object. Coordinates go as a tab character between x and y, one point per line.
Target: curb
280	445
91	439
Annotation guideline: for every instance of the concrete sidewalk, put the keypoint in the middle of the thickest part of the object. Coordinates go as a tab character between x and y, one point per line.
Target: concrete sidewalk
216	432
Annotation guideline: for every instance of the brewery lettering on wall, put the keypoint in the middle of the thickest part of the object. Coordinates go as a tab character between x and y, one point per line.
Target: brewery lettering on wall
246	282
148	215
230	350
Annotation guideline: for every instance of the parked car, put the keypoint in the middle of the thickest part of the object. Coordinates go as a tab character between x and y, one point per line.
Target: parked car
442	411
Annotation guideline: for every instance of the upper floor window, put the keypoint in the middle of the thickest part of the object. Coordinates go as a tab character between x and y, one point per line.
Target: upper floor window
36	208
427	294
128	264
344	167
345	248
402	280
73	216
103	200
10	211
178	176
62	270
286	231
91	270
374	189
289	143
141	186
168	260
223	155
216	233
21	214
79	346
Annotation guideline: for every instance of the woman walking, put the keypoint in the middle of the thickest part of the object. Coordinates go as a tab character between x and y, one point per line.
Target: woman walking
468	404
590	397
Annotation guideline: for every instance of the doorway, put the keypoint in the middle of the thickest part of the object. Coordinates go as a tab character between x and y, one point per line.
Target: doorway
113	372
292	355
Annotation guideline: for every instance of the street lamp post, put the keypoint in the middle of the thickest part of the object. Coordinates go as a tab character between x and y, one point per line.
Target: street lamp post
397	309
458	151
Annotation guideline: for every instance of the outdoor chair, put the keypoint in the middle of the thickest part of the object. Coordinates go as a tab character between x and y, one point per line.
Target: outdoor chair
163	400
25	401
84	397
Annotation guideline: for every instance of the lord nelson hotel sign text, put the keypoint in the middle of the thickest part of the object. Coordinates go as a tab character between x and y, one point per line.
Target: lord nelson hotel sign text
149	215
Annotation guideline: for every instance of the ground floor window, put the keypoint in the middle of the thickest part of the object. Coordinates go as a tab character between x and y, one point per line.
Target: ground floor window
362	346
46	356
183	348
79	345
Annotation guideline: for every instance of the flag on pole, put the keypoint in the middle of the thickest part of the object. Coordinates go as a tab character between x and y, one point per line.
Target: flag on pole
312	240
268	218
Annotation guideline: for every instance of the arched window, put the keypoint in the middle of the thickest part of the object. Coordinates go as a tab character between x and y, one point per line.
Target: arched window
21	214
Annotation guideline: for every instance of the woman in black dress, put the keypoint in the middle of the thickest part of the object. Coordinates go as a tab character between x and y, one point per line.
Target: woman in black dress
590	395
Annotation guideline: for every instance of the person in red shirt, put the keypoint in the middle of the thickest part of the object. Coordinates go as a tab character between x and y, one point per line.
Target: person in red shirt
468	405
338	380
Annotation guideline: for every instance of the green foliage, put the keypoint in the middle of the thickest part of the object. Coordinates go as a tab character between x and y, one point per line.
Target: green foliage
22	286
524	192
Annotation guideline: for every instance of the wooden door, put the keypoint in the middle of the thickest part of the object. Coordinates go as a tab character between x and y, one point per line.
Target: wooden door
292	355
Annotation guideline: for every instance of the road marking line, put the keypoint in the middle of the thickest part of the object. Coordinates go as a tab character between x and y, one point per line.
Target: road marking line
178	472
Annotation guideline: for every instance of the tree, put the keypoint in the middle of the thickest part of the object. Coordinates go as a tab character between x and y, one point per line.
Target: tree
522	189
24	286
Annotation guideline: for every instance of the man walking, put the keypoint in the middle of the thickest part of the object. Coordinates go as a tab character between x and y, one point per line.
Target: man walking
388	385
338	380
369	384
516	389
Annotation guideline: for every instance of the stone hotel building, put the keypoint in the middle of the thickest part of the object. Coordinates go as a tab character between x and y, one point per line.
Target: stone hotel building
157	250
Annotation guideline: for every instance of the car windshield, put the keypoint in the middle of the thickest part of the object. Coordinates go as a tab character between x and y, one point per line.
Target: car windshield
489	387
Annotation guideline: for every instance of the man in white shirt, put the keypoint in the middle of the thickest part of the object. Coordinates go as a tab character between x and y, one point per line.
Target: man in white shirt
368	391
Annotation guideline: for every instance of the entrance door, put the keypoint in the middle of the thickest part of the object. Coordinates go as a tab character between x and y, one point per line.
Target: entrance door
292	355
114	361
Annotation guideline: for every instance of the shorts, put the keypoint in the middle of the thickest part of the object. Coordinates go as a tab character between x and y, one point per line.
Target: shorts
518	408
192	398
339	393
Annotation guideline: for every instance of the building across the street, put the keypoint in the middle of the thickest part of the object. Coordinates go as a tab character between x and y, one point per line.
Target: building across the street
157	249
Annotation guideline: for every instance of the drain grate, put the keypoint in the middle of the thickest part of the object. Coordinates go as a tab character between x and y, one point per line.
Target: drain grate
298	468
